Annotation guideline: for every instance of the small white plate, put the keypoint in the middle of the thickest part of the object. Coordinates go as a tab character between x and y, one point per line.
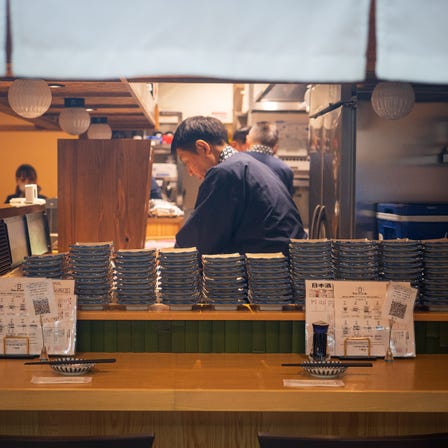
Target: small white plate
72	369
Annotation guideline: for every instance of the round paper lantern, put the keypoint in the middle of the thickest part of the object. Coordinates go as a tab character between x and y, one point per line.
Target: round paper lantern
99	129
29	98
74	119
393	100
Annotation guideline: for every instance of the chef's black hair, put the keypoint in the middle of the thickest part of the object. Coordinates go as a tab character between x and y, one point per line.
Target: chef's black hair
240	134
195	128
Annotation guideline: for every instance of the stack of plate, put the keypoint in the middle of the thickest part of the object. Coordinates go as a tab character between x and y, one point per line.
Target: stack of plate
269	280
224	280
136	277
402	260
435	260
47	265
309	259
179	281
93	274
356	259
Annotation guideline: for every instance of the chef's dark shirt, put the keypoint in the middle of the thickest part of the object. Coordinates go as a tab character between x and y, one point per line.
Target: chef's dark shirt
279	167
156	192
242	206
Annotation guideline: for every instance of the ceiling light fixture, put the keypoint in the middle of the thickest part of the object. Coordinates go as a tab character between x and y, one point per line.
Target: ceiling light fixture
393	100
56	85
29	98
74	119
99	129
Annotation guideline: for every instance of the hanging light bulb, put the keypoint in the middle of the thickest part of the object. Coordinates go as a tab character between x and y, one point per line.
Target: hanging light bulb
74	119
393	100
29	98
99	129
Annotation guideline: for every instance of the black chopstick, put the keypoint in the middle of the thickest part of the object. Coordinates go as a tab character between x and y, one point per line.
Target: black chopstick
72	361
330	364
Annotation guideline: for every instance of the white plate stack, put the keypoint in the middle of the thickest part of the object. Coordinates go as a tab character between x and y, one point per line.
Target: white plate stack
402	261
309	259
356	259
435	261
47	265
91	265
224	280
179	278
269	280
136	278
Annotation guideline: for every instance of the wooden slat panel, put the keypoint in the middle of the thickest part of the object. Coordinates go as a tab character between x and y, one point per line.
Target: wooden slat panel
103	190
228	337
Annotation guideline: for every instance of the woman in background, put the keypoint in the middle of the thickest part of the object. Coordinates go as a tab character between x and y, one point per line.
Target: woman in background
25	174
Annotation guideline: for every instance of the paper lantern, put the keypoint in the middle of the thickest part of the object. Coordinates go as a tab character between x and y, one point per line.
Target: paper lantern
74	119
393	100
99	129
29	98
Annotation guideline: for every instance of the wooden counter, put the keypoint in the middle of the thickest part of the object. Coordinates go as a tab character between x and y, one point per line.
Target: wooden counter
163	227
228	382
222	400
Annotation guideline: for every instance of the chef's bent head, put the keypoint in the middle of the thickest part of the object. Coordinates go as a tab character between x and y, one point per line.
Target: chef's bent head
198	142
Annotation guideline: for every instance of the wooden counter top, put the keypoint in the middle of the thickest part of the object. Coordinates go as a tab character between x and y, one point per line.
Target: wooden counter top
227	382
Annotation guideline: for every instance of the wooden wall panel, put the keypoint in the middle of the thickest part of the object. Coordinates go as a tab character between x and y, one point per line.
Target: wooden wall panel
103	191
218	429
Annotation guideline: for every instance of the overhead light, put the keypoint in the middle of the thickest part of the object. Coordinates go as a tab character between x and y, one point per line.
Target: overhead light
74	119
393	100
29	98
99	129
56	85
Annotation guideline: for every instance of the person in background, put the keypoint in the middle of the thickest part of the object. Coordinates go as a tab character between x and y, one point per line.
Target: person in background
25	174
263	140
242	206
156	192
239	139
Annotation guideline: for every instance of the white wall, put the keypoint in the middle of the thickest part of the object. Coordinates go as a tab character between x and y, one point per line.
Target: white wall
197	99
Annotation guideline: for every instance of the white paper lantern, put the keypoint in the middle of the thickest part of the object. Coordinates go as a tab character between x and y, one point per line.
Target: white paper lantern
74	119
29	98
393	100
99	129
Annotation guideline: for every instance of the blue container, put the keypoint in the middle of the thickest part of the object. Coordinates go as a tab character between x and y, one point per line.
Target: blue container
413	221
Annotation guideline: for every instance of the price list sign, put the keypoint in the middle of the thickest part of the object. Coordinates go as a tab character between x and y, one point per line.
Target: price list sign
359	313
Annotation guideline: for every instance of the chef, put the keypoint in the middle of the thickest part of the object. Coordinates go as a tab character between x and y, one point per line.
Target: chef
263	140
242	206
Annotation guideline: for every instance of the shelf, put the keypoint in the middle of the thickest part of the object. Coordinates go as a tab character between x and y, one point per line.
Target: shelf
192	315
8	211
431	316
121	315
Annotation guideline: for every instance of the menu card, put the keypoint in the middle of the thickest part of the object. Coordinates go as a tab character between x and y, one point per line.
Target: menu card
24	302
359	314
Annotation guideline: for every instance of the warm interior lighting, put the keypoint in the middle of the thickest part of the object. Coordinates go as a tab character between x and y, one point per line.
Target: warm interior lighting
99	129
393	100
74	119
29	98
56	85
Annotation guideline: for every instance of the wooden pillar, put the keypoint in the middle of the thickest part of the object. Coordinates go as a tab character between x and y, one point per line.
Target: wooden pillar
103	192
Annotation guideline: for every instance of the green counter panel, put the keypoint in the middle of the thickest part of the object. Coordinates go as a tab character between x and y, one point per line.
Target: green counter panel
221	336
